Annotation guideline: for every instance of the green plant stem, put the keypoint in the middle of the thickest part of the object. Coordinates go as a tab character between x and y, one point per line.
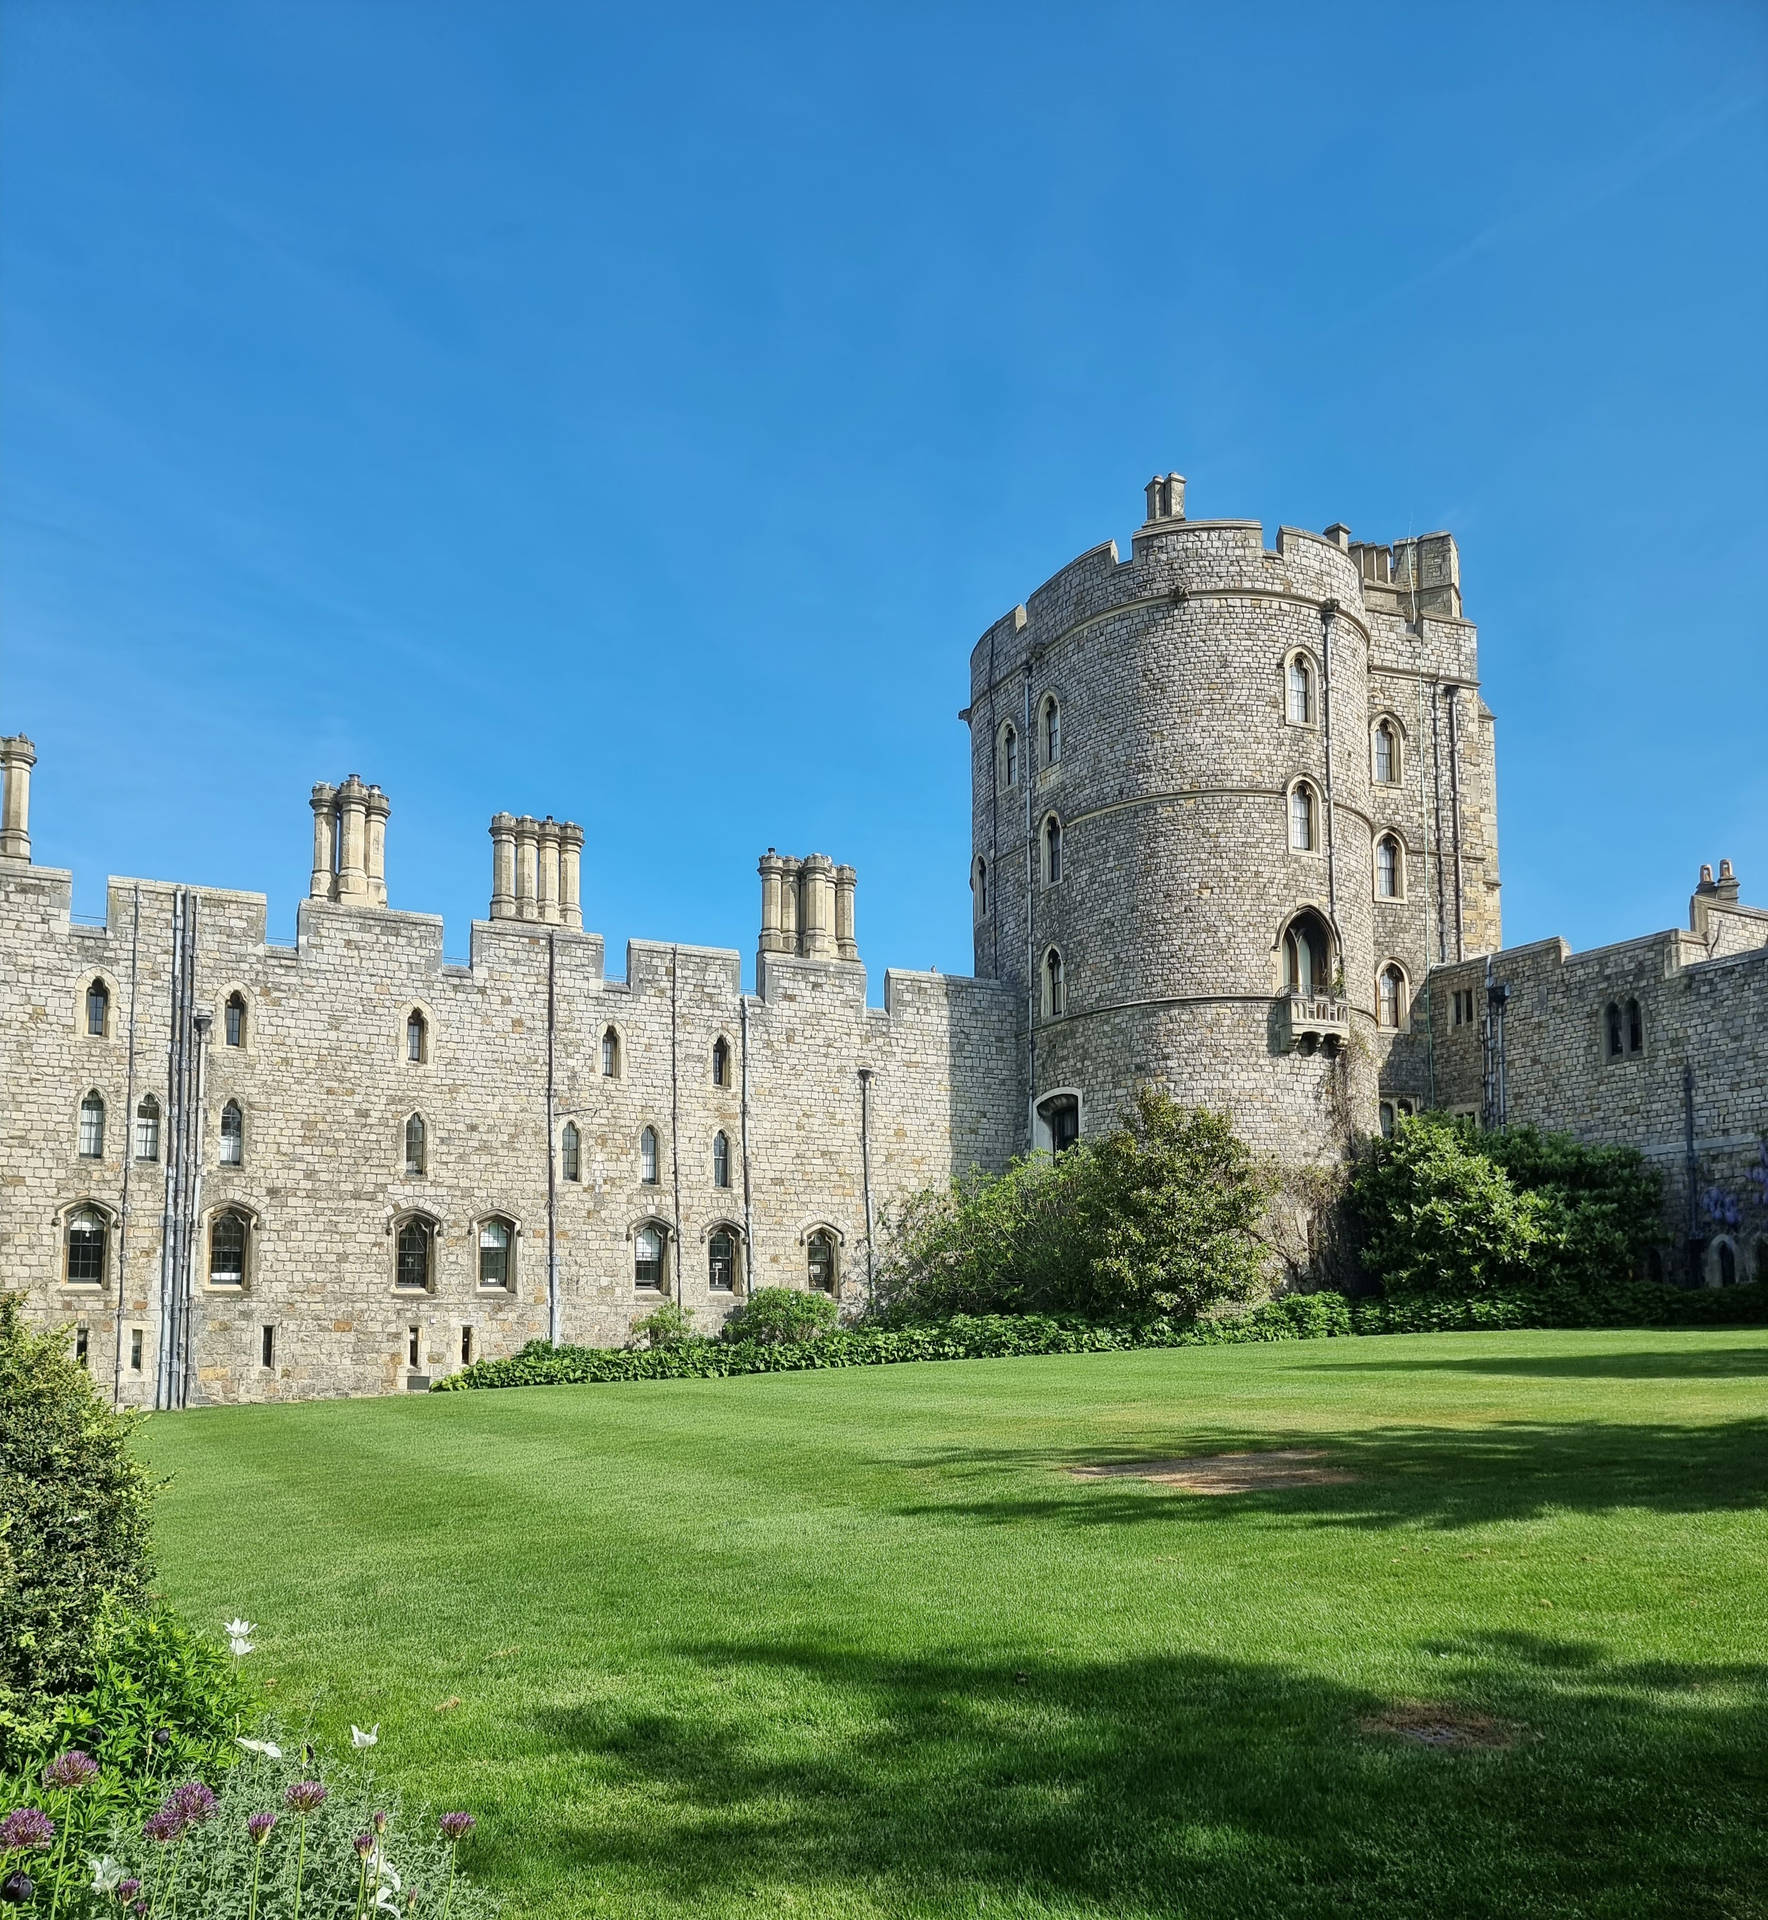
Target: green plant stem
61	1847
300	1864
172	1876
453	1856
361	1882
257	1868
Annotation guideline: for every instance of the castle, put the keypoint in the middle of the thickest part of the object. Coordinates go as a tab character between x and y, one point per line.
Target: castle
1234	830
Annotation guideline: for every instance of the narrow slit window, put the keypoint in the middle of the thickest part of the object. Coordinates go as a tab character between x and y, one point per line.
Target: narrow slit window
82	1346
92	1126
982	889
1635	1028
97	1009
234	1024
571	1152
721	1160
1052	732
147	1128
611	1054
416	1144
721	1062
647	1157
412	1337
1615	1044
1055	989
135	1346
466	1346
267	1347
233	1135
1009	757
417	1039
1052	851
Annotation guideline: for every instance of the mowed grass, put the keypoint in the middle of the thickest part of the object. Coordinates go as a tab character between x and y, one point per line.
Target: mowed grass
857	1643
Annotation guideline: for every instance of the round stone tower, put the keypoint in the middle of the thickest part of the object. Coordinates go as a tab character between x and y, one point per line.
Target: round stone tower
1173	835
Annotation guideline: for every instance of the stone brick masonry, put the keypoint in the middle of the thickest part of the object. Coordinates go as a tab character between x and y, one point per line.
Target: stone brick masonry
345	1186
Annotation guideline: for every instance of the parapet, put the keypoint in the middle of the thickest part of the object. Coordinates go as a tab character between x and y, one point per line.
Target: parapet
807	907
349	843
1413	576
536	870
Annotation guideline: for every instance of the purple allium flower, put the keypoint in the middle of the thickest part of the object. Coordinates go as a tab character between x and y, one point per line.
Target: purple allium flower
305	1796
16	1889
163	1827
456	1826
259	1825
128	1889
140	1906
73	1769
27	1827
364	1845
192	1803
380	1823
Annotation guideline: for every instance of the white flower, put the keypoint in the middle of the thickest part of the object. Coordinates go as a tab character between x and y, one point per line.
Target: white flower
239	1629
360	1739
241	1645
105	1874
268	1748
387	1885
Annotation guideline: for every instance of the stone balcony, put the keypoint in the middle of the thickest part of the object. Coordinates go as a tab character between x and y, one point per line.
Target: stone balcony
1311	1020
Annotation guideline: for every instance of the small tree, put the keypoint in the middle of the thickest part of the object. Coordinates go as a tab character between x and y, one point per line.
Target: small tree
781	1316
73	1524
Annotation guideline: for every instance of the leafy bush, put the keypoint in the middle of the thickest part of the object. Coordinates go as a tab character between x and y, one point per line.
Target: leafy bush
354	1851
668	1325
1450	1210
1158	1217
780	1317
73	1527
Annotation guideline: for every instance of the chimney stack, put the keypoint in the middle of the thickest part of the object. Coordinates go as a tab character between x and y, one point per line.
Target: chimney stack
1166	497
17	758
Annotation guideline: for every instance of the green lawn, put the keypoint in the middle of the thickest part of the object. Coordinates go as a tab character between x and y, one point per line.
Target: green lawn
856	1643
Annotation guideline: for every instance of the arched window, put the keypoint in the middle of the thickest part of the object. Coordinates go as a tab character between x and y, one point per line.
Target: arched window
417	1038
1055	993
1009	756
1307	955
234	1020
87	1233
1635	1028
721	1062
1061	1115
1302	831
647	1256
721	1160
1387	868
1725	1263
1387	1119
1052	731
97	1008
1613	1022
1052	851
1387	754
227	1249
721	1260
416	1144
570	1152
820	1252
611	1054
1300	679
495	1240
647	1156
92	1126
416	1243
1390	997
233	1135
981	889
147	1128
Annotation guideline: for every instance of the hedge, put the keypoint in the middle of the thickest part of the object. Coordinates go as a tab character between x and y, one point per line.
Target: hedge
1297	1316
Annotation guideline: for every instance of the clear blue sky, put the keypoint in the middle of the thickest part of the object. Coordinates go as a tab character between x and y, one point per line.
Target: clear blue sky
635	414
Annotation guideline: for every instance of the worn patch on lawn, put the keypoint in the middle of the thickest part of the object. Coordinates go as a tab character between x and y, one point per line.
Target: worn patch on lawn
1228	1472
1440	1727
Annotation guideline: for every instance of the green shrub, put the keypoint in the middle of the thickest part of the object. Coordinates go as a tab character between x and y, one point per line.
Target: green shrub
668	1325
1450	1210
1157	1218
73	1527
779	1317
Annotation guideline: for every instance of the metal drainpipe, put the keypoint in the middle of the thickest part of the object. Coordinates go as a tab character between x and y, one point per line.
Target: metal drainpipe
1031	968
173	1141
1327	609
128	1156
865	1173
187	1320
994	826
748	1205
675	1112
1424	841
1691	1171
1455	817
1436	785
552	1187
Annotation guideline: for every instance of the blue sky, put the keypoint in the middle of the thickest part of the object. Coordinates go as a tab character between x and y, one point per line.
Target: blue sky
636	414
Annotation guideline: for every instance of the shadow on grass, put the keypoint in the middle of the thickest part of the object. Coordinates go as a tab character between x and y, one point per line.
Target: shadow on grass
1696	1363
1400	1476
1185	1784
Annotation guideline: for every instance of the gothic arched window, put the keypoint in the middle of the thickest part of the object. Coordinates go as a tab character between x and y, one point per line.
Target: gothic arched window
1055	987
417	1038
496	1237
1052	851
1299	677
721	1062
1390	997
87	1234
233	1135
234	1022
647	1156
227	1248
97	1009
721	1160
820	1260
1387	868
147	1128
1052	731
1387	754
1307	955
570	1152
721	1261
92	1126
1303	831
611	1054
647	1256
416	1144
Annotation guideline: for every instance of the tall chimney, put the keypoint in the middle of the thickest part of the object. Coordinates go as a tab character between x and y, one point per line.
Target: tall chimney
503	866
17	758
379	807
